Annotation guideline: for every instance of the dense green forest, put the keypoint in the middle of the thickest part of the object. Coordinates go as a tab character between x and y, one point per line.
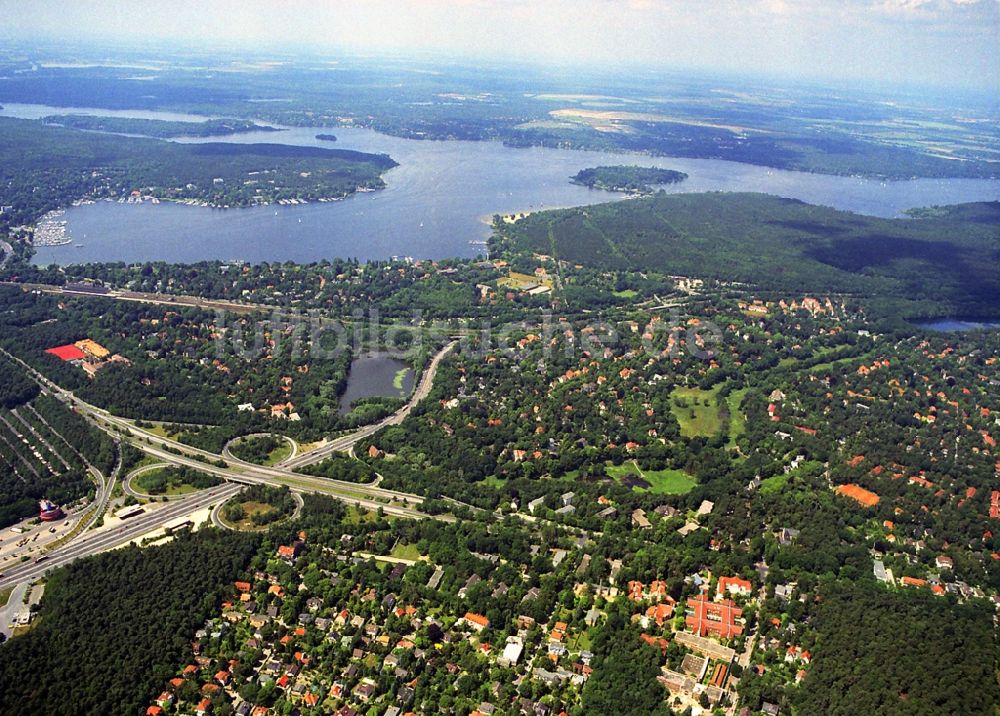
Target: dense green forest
45	448
341	467
44	167
779	244
112	628
625	671
16	388
628	179
905	654
159	128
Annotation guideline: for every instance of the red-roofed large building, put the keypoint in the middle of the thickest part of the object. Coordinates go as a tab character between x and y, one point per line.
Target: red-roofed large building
713	618
67	353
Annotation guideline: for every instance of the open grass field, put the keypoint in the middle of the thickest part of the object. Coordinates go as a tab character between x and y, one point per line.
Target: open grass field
357	516
279	453
405	551
697	411
737	420
661	482
163	482
518	281
249	510
161	431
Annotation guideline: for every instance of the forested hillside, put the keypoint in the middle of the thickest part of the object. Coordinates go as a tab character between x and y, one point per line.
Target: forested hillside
951	256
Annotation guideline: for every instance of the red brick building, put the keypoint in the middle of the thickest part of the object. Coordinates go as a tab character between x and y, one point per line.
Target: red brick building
706	617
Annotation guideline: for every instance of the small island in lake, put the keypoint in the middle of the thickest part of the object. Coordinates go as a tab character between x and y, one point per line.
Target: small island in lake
627	179
326	137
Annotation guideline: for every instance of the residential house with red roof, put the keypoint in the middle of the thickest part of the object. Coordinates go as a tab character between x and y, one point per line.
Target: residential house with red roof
734	585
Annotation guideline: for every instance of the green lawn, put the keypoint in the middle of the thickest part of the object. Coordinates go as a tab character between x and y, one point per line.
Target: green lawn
182	489
695	417
737	420
251	508
356	517
146	480
669	482
661	482
5	596
405	551
580	641
161	431
279	453
627	293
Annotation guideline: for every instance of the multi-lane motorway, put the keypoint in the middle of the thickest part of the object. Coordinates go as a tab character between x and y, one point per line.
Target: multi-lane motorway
236	472
88	544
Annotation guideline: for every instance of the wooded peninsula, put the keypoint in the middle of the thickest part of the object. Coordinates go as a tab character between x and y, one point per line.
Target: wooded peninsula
159	128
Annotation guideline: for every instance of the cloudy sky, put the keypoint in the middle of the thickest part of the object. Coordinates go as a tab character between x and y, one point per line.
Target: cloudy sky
943	42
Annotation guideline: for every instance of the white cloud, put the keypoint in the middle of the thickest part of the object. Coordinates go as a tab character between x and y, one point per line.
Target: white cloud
931	39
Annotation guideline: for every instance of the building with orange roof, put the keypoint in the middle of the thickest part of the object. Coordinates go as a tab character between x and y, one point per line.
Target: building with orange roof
655	641
660	612
913	582
476	621
92	348
734	585
657	589
716	618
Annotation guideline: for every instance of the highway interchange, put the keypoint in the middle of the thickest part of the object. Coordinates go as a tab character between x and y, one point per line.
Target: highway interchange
235	472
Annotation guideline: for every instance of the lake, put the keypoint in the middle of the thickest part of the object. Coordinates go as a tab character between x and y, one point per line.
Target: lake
959	324
376	375
437	202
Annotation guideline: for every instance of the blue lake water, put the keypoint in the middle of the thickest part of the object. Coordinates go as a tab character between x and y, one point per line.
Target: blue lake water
959	324
437	202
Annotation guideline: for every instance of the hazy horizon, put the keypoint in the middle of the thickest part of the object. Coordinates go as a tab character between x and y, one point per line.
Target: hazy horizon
915	43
